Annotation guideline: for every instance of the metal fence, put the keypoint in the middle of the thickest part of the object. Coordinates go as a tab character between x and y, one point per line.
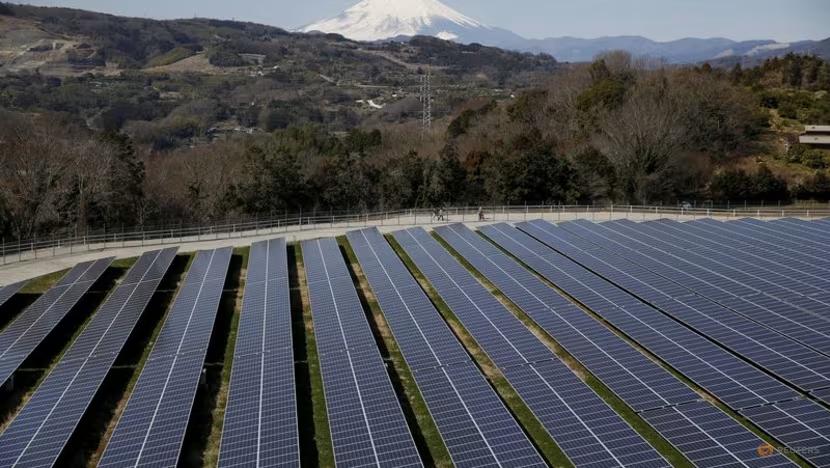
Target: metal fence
13	252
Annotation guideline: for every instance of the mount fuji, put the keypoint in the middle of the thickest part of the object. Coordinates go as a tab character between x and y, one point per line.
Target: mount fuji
376	20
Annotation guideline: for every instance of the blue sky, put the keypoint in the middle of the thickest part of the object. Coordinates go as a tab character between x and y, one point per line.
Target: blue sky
783	20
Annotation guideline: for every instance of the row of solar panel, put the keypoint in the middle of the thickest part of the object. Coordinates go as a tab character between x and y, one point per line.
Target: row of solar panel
452	387
799	423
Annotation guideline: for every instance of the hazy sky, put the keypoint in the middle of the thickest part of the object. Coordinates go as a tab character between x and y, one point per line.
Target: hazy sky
783	20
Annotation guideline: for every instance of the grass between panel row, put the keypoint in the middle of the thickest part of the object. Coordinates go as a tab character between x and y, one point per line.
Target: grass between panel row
632	342
620	407
427	437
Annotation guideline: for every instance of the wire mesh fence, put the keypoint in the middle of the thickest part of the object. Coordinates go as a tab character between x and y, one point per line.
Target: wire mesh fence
24	250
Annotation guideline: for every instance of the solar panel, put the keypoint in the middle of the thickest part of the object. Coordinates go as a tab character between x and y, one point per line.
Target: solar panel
6	292
368	427
802	425
786	358
636	379
760	241
762	275
21	337
735	382
39	432
797	317
151	430
260	426
710	438
758	251
816	241
812	228
582	424
474	423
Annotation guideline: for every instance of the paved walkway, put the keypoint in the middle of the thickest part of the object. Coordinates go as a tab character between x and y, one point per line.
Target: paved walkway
50	261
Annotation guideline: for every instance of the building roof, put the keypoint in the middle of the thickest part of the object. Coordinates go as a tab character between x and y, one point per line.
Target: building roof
815	139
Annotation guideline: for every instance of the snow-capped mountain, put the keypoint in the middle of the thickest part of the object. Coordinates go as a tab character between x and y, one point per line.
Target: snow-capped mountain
374	20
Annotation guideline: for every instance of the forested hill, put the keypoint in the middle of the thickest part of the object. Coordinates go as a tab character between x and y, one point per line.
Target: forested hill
110	122
95	40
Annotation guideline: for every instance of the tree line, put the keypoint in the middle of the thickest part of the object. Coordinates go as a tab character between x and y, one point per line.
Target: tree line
618	130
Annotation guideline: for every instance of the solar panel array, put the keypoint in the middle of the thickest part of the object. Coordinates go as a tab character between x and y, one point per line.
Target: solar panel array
151	430
779	310
367	424
474	423
790	360
636	379
7	292
39	432
21	337
260	425
609	243
704	434
797	318
587	430
734	381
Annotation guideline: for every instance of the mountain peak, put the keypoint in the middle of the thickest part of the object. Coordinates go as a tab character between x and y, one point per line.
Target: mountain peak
372	20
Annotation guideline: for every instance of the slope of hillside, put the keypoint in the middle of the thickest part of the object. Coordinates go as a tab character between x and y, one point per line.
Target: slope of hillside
78	41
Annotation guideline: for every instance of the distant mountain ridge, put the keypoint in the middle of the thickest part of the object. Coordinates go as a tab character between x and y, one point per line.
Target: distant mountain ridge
378	20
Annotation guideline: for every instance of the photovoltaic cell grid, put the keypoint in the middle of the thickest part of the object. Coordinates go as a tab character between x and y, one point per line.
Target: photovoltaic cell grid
637	380
260	426
795	317
787	269
39	432
588	431
788	293
476	427
794	248
368	427
786	358
22	336
710	438
704	434
799	424
151	430
730	270
759	240
735	382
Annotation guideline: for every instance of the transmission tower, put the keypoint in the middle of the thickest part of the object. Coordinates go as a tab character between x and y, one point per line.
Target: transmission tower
426	100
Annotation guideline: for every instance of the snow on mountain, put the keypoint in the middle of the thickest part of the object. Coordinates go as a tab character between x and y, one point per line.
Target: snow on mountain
374	20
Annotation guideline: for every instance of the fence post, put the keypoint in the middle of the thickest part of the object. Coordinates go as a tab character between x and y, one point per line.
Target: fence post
4	250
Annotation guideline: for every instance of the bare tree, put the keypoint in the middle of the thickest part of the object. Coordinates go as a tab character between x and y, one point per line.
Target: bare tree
644	139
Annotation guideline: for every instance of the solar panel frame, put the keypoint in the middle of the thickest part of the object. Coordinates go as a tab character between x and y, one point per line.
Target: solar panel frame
771	277
20	338
602	352
263	358
474	423
803	426
567	408
366	421
39	432
152	427
735	382
729	443
786	358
